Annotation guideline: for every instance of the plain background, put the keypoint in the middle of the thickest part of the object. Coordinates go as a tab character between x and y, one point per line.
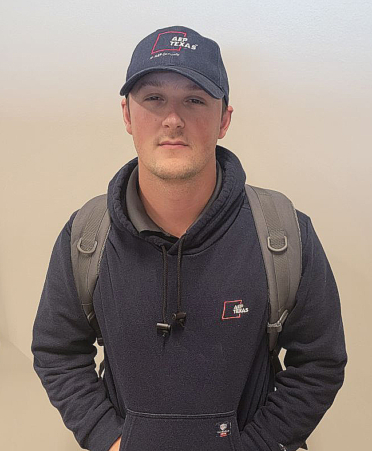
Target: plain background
300	78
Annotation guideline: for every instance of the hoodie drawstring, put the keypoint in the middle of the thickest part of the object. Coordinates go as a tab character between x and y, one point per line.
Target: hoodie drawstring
180	317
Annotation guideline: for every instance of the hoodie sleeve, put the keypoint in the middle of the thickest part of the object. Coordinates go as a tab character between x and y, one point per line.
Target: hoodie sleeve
315	359
64	351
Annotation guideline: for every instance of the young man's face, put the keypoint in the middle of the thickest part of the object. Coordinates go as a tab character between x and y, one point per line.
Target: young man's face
175	125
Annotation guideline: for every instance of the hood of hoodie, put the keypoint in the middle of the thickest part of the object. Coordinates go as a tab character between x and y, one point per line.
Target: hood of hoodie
209	228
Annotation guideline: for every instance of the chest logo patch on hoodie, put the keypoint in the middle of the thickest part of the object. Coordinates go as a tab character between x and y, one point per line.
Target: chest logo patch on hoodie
233	309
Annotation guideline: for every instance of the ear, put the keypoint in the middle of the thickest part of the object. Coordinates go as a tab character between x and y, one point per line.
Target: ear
225	121
126	115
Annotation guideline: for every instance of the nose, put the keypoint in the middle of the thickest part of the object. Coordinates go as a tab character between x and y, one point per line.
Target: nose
173	119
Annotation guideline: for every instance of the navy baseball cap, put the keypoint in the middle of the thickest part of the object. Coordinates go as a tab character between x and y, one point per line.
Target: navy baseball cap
184	51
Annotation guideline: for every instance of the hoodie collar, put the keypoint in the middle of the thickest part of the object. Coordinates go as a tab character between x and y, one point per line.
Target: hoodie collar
211	224
138	215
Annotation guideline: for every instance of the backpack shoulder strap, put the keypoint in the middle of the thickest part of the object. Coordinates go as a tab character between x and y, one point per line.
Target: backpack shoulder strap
89	232
279	236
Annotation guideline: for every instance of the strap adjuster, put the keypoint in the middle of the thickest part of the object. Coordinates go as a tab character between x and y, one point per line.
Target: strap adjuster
278	326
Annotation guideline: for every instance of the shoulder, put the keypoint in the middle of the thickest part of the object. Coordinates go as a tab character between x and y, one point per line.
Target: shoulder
281	204
68	225
304	221
95	204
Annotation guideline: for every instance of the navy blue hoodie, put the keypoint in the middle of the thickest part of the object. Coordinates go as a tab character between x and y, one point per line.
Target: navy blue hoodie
208	386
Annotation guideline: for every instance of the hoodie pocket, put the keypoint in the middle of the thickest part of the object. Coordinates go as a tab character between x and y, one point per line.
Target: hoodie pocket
170	432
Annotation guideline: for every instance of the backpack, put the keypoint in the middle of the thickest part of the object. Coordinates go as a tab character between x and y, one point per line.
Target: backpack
278	233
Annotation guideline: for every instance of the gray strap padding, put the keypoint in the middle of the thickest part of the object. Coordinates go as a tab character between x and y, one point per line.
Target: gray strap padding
89	232
279	235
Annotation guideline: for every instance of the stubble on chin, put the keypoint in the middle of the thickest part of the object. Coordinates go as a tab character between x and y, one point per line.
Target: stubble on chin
169	172
171	168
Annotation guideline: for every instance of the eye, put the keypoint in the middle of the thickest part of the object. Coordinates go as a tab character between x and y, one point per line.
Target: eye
150	98
196	101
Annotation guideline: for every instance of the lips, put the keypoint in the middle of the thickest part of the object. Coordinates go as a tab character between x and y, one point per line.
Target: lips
173	144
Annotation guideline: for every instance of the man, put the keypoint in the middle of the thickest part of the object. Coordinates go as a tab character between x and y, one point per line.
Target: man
180	373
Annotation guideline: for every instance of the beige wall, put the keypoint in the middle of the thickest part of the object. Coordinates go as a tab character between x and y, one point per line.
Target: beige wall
300	77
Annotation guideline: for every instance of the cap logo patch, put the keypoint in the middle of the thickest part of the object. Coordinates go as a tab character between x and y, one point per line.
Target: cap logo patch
172	41
233	309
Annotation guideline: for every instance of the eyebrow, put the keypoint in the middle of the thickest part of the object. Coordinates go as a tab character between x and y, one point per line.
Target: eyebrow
161	84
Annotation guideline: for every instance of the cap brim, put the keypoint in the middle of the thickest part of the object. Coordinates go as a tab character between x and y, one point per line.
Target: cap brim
199	79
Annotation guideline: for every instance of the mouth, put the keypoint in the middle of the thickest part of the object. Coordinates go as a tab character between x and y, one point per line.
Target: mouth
173	144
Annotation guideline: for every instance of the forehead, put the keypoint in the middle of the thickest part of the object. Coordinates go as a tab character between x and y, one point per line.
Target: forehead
166	79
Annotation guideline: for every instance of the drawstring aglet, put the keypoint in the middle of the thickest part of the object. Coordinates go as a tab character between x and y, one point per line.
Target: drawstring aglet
163	329
180	318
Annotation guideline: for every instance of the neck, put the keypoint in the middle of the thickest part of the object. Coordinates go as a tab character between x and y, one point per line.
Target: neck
175	204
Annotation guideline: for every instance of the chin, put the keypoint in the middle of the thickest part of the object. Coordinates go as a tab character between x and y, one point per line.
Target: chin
173	173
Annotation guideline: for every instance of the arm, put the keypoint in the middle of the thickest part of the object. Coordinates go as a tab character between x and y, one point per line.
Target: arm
64	351
315	358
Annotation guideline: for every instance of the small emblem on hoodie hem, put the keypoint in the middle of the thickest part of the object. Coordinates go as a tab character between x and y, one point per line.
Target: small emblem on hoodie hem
223	429
234	309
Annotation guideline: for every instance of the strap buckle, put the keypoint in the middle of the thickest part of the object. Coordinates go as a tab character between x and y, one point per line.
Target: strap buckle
89	251
270	244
